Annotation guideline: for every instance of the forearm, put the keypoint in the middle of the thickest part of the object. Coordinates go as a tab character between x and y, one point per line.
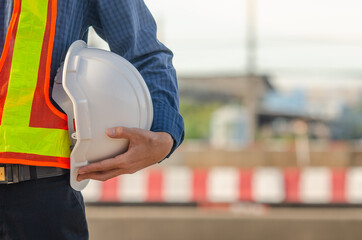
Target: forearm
130	31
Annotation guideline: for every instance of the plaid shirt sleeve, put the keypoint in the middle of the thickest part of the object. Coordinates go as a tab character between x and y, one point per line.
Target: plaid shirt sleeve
130	31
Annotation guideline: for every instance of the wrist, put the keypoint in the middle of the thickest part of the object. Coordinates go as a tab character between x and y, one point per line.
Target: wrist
166	143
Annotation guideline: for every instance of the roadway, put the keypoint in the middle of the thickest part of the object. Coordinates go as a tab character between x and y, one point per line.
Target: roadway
243	221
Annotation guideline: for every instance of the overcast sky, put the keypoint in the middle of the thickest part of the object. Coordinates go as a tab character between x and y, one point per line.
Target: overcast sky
323	18
294	36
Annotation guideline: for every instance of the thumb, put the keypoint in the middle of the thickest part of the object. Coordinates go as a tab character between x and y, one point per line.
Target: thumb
119	132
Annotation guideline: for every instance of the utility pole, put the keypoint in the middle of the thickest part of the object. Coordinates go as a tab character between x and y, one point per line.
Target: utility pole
251	97
251	36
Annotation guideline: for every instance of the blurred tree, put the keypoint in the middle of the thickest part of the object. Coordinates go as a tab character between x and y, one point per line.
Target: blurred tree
197	117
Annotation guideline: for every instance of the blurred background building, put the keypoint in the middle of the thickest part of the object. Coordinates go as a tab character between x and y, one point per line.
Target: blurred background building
271	95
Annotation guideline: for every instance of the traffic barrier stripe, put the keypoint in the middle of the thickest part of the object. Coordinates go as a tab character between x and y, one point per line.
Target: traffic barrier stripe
291	185
268	185
222	185
245	185
338	185
109	190
133	187
199	180
353	185
316	185
178	184
154	186
312	185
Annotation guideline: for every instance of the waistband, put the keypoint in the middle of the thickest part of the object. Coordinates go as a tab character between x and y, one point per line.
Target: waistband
14	173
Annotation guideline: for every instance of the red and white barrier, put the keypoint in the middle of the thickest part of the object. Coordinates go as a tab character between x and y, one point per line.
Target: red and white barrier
312	185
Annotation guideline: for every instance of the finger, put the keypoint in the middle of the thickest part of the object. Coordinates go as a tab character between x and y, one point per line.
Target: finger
100	176
120	132
104	165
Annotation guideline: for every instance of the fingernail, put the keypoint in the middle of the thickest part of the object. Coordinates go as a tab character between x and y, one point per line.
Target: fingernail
81	171
111	132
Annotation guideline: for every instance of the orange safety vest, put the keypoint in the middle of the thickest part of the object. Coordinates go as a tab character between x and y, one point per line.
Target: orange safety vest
32	130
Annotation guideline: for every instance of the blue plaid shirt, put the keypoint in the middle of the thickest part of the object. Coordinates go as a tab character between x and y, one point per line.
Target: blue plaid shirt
130	30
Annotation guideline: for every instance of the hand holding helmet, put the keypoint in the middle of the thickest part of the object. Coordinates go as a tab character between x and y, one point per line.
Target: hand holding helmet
145	149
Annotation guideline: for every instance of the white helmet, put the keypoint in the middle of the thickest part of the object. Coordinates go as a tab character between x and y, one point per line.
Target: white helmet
99	90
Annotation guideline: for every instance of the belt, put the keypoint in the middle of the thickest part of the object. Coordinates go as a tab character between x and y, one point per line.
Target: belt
14	173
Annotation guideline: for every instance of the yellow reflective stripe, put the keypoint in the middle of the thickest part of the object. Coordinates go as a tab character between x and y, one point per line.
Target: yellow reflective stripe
25	63
15	133
41	141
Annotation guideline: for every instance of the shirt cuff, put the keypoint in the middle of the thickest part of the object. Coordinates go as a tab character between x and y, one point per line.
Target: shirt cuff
167	119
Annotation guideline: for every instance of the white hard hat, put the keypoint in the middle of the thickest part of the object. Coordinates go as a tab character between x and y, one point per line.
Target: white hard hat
99	90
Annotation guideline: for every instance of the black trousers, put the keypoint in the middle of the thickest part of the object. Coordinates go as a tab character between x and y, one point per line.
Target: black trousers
40	209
